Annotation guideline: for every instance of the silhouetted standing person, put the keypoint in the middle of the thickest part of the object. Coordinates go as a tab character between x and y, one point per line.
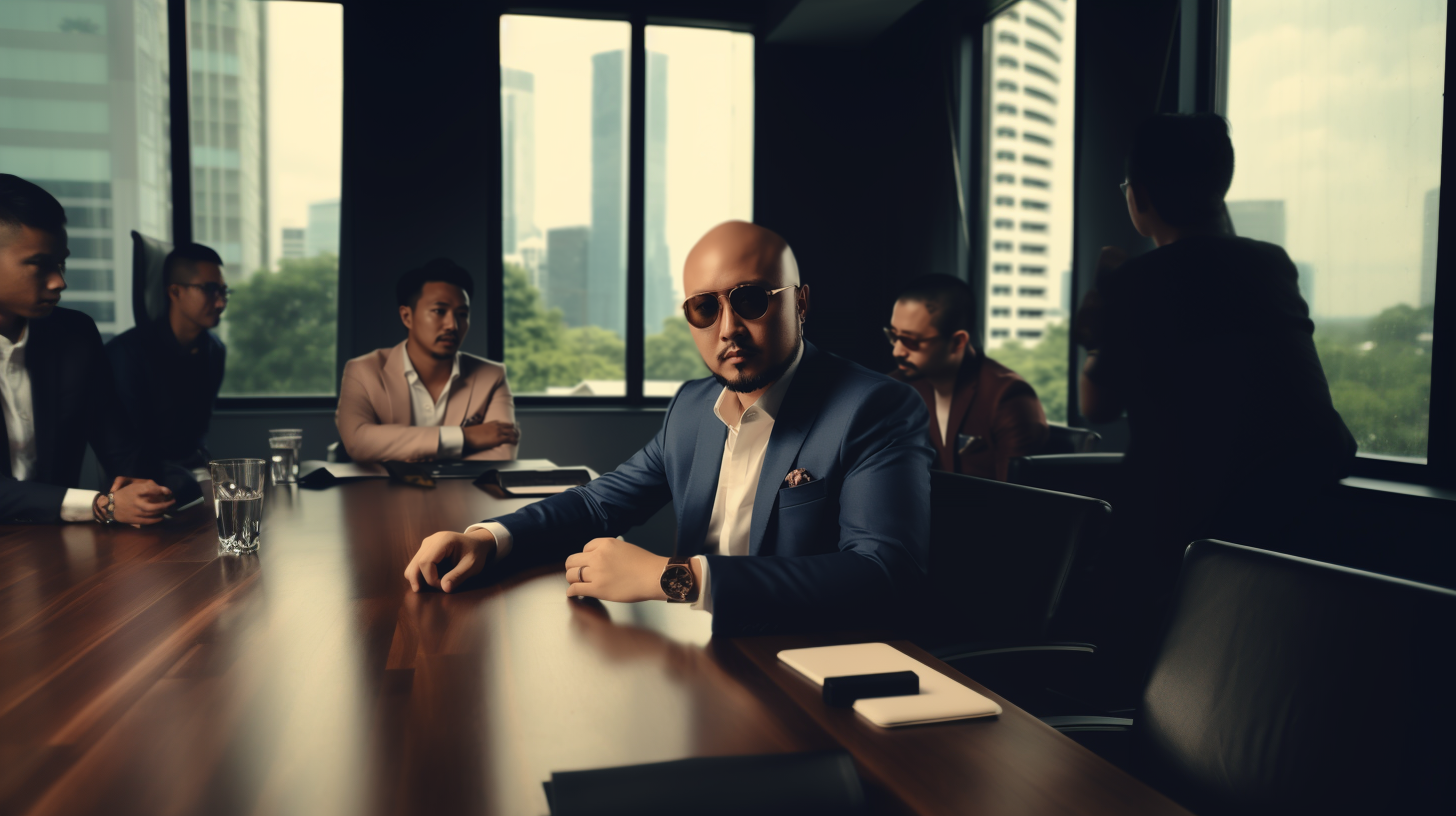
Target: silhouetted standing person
1207	345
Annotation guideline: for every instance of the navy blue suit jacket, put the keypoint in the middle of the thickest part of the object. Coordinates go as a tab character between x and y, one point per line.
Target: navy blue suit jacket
835	551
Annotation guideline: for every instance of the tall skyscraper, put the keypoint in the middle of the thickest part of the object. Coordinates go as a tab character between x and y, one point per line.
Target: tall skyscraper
323	228
229	148
567	269
607	273
607	258
1429	233
1028	225
518	147
659	298
1260	220
84	113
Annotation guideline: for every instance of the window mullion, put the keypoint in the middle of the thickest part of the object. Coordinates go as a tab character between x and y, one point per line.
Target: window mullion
179	94
636	209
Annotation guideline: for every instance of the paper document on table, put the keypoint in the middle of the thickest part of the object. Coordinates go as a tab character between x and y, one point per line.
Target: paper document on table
941	698
356	470
540	490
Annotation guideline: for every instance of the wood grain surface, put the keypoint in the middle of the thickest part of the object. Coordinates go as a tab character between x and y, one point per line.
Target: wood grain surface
142	673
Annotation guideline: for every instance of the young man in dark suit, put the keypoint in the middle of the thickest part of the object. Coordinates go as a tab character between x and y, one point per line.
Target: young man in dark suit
168	371
56	386
800	481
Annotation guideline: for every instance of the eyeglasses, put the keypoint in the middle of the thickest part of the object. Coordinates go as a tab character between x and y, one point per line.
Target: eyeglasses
748	301
1123	187
210	290
911	343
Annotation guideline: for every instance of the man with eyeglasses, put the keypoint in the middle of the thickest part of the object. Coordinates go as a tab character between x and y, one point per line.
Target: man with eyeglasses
56	387
169	370
800	481
983	413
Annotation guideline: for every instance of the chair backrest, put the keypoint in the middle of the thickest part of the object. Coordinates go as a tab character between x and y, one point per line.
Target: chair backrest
148	290
1066	439
1000	554
1291	686
1083	474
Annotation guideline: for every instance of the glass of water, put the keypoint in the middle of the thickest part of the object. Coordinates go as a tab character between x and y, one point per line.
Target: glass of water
283	444
237	498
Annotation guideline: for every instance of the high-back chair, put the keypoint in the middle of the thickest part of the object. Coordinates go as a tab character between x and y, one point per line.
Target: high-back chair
1066	439
148	288
1289	686
1082	474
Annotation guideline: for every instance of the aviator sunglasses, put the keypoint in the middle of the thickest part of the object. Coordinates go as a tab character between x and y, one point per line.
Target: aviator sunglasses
748	301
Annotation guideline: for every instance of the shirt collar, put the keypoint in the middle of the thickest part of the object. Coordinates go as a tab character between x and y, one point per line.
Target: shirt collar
768	403
414	376
8	348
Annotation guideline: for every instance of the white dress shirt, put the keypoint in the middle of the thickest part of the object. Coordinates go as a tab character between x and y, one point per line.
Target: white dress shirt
20	425
942	416
425	411
744	450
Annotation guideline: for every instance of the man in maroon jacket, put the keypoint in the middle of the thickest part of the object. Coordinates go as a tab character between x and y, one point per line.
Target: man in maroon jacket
982	414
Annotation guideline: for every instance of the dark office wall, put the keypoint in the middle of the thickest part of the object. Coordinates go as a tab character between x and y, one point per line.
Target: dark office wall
854	167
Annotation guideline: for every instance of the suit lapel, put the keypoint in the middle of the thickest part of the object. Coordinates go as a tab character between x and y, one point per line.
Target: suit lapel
796	418
458	405
960	404
396	388
702	489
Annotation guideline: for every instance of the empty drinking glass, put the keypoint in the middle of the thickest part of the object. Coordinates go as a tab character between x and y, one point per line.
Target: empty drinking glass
237	499
284	444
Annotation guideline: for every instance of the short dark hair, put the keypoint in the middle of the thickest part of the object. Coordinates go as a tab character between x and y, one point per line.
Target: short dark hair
950	301
1184	163
443	270
187	254
24	203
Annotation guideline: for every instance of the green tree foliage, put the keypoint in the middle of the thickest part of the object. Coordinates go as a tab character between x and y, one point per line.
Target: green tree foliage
1044	366
1380	378
542	351
671	354
282	328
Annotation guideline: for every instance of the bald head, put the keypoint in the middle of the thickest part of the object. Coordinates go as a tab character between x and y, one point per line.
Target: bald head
747	354
739	250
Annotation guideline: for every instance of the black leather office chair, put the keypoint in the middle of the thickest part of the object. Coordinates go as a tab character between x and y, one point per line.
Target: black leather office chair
999	558
1066	439
148	289
1289	686
1083	474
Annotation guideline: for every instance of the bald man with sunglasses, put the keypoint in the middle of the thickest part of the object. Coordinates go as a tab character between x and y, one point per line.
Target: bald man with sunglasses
800	481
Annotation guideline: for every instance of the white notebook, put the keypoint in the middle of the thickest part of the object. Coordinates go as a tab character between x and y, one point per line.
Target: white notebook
941	698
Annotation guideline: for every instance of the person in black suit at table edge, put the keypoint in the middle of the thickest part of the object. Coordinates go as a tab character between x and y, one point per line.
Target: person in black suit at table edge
56	386
168	371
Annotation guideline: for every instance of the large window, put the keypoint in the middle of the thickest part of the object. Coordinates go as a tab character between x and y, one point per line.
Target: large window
84	114
266	144
1029	82
566	145
1335	110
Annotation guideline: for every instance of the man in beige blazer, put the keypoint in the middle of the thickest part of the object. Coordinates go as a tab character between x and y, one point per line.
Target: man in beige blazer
424	398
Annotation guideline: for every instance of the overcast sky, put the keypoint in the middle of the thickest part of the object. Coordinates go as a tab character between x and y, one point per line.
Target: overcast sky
1335	108
709	127
305	111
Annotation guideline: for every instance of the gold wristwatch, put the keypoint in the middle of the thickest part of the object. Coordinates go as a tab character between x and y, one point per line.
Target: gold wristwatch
678	581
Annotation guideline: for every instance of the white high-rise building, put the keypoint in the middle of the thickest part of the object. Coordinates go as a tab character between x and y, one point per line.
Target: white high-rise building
1028	227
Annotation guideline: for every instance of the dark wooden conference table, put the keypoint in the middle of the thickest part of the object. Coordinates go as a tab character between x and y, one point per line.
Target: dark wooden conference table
142	673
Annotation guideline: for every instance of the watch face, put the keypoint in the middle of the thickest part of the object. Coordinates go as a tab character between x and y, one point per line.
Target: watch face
677	581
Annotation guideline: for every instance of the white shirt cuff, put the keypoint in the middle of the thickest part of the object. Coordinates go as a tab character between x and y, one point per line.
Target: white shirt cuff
77	504
705	592
502	537
452	442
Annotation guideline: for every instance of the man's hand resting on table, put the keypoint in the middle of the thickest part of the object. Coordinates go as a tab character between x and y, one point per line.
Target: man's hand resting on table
139	501
613	570
470	551
489	435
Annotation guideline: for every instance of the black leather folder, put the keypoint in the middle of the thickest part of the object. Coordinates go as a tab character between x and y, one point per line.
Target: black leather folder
824	782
